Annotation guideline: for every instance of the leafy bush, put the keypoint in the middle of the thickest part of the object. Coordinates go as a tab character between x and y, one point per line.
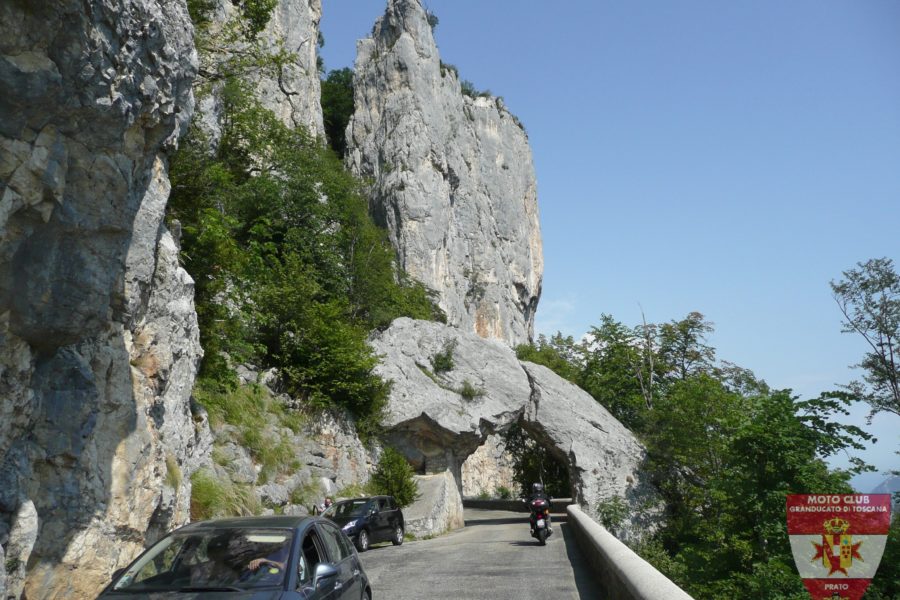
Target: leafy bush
394	477
442	362
337	107
468	88
432	19
504	493
612	512
290	270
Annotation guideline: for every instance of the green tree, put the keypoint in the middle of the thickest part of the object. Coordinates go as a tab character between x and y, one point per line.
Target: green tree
291	272
616	372
886	584
559	353
337	107
869	299
683	345
394	477
725	463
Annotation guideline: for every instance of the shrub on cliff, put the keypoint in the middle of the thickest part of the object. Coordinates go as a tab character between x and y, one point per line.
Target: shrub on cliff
337	107
394	477
290	270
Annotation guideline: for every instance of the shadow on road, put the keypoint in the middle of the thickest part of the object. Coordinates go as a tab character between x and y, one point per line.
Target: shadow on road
556	519
534	543
500	521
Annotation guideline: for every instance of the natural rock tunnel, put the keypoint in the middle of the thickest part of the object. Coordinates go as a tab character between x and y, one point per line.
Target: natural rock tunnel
439	419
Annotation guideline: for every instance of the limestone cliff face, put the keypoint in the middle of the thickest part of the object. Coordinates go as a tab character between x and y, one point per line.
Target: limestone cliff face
98	335
453	179
293	91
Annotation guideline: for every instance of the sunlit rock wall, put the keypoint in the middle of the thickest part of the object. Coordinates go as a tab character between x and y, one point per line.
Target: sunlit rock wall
98	335
453	179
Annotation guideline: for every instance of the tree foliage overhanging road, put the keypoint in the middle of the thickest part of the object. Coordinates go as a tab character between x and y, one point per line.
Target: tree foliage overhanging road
724	449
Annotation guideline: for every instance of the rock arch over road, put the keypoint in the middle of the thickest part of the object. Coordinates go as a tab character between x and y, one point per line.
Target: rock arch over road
437	428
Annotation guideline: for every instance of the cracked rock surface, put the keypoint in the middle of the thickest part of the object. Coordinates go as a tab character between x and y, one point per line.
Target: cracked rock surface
453	179
437	427
292	91
98	335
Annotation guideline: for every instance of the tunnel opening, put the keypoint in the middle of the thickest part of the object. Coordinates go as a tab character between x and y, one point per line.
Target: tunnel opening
533	462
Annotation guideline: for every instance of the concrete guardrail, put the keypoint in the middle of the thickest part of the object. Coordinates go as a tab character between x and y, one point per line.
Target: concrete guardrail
623	574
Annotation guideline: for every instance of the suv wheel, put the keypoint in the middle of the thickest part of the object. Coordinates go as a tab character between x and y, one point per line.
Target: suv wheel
362	541
398	536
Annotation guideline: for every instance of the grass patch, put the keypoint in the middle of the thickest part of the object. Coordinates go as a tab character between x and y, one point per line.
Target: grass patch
354	490
173	472
212	497
469	391
252	409
429	374
219	457
12	564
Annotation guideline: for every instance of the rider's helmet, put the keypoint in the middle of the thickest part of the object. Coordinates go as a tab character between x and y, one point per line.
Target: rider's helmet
537	488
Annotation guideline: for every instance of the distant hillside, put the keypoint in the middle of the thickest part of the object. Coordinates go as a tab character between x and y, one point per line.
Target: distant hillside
891	485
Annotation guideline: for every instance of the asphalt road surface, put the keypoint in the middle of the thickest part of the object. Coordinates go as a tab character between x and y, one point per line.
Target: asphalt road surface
493	558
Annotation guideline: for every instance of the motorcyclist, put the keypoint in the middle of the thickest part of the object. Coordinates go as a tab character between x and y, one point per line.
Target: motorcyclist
537	491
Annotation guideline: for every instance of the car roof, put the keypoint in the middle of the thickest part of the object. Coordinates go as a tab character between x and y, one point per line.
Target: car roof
274	521
362	499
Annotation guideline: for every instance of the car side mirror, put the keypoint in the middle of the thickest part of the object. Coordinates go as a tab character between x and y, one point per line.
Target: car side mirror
323	572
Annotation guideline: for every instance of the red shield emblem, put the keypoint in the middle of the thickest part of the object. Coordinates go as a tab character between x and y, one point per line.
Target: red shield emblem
837	541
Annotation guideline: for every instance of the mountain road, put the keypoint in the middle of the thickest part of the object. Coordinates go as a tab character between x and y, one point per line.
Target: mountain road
492	558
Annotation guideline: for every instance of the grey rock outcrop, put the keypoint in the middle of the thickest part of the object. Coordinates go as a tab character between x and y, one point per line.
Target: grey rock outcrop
453	179
291	90
98	336
438	509
326	454
488	469
438	425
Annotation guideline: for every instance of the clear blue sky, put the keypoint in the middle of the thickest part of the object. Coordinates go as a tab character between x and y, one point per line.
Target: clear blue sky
725	157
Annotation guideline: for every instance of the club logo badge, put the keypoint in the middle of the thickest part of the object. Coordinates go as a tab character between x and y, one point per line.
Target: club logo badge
837	541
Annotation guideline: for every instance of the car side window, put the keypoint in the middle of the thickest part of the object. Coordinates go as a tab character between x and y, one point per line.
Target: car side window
310	556
383	504
346	544
391	504
332	536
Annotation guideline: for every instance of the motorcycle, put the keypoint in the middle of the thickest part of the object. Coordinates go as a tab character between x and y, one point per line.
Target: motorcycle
540	519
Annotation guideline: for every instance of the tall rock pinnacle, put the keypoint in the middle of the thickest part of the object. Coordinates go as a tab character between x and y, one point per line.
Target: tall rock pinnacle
453	178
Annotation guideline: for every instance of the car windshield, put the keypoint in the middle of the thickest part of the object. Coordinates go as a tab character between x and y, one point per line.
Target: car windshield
223	559
349	508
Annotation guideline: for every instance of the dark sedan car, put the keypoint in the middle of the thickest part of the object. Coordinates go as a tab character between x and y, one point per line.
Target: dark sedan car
263	558
369	520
